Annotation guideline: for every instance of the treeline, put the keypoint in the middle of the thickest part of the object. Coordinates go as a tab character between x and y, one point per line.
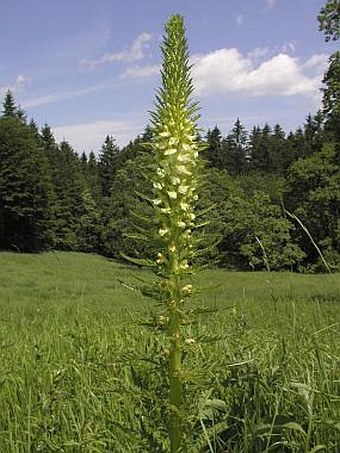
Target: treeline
272	197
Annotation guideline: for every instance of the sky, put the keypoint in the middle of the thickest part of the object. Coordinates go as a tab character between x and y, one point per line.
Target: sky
89	68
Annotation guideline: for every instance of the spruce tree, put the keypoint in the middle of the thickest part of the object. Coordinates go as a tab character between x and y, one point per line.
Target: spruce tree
25	185
234	150
92	178
108	164
213	152
9	105
69	188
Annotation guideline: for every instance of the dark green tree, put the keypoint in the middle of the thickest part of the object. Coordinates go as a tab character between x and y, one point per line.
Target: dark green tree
89	226
331	98
313	134
313	195
35	130
83	162
69	186
126	212
213	153
25	186
235	158
260	148
329	24
329	20
107	164
92	178
254	232
9	105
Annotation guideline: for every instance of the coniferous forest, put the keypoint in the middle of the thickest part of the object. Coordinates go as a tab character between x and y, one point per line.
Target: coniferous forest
273	195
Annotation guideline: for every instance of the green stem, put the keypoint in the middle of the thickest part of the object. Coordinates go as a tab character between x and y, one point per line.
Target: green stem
175	364
175	358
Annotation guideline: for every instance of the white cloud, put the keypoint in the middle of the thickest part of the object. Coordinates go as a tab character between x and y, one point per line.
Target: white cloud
141	71
318	61
258	53
90	136
228	71
15	86
134	53
270	4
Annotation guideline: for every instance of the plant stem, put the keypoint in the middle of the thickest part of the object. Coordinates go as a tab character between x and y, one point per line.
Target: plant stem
175	364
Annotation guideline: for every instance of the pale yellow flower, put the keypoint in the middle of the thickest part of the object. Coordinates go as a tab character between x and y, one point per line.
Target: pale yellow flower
157	185
173	141
160	258
183	170
184	158
187	289
160	172
172	248
183	189
170	151
184	265
163	231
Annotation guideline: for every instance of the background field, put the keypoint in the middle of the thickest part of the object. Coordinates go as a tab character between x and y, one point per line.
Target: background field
79	372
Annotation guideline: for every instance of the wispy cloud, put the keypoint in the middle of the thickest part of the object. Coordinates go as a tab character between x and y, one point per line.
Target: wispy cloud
317	61
15	85
135	52
239	19
141	71
90	136
59	96
260	54
270	4
288	47
229	71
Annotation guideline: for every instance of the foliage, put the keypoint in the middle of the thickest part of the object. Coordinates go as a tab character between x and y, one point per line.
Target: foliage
25	188
253	231
107	165
314	195
329	20
74	374
331	97
125	212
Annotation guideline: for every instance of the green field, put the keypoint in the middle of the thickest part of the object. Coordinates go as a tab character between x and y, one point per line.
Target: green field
79	372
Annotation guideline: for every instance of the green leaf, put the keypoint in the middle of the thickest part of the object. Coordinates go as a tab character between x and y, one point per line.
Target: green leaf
295	427
318	448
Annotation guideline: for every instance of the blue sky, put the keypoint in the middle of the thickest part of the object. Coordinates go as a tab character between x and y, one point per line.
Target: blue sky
90	68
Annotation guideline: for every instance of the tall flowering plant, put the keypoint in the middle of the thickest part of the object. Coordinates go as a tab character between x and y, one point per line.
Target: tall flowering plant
175	184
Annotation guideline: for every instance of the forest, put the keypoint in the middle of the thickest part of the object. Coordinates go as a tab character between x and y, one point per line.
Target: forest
275	196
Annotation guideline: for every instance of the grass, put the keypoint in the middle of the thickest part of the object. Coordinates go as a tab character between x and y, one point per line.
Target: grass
80	373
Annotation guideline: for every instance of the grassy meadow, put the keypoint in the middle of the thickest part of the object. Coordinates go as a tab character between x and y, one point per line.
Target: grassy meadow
80	372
